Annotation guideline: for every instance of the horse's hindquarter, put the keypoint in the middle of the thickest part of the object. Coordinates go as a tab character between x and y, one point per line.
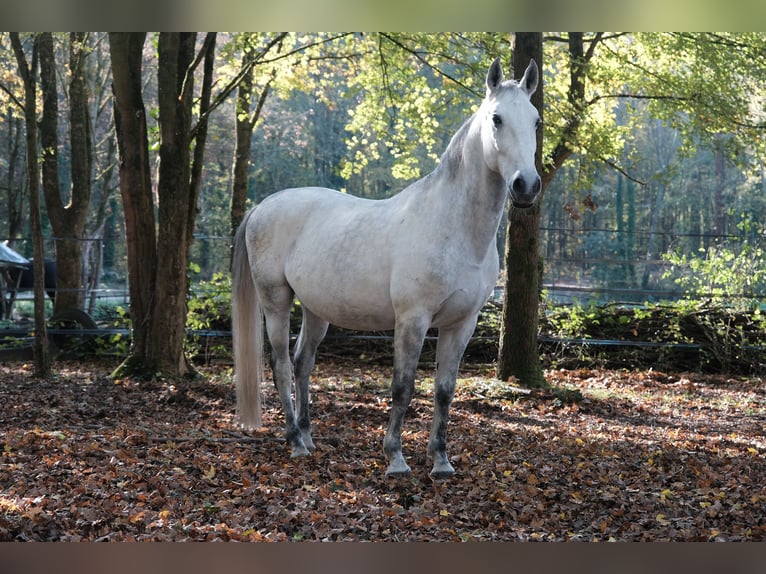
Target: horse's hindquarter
331	249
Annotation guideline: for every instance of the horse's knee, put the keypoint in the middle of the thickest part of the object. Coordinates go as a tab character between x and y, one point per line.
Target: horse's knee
401	393
443	395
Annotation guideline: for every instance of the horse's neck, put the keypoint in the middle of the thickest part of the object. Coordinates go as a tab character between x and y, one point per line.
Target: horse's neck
470	196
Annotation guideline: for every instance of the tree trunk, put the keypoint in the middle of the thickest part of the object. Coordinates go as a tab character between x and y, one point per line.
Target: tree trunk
168	311
126	52
244	137
160	296
200	131
15	205
67	218
518	354
41	347
82	167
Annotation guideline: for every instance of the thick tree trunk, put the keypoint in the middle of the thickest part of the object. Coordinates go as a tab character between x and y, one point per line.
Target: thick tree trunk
126	51
160	296
168	311
67	217
518	355
82	165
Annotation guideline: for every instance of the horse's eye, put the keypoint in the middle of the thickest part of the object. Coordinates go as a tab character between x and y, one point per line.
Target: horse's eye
497	120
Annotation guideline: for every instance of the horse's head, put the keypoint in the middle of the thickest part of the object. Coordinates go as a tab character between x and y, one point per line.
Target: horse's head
509	132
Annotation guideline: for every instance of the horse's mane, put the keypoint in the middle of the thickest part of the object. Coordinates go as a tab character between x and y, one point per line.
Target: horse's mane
452	157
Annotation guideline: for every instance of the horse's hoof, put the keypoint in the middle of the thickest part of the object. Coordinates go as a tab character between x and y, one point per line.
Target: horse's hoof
398	473
398	470
300	451
442	472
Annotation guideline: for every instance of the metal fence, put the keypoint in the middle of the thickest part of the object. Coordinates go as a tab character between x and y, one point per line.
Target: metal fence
608	266
581	266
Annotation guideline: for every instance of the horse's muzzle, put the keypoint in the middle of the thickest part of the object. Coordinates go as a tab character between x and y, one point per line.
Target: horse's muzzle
524	192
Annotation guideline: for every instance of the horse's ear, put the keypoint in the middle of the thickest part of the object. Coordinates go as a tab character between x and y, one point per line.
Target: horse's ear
530	79
494	76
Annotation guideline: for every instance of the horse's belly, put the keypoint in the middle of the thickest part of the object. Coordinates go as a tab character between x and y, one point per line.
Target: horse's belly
352	296
349	311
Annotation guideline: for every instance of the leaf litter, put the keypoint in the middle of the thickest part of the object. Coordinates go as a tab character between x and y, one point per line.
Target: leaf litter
620	456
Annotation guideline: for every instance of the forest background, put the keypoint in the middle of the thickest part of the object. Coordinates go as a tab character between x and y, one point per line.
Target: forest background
655	141
653	162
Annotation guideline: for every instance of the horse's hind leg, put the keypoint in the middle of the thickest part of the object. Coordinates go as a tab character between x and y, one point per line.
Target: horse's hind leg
277	314
313	330
449	351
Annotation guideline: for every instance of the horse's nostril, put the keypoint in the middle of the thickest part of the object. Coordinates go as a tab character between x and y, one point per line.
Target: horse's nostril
518	185
536	186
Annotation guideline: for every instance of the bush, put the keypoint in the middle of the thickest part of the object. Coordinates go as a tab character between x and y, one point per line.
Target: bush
686	335
727	275
208	319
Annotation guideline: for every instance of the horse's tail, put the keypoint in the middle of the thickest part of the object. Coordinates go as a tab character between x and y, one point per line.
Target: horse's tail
247	332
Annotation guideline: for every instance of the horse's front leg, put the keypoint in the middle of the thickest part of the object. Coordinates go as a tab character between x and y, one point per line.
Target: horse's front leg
408	342
449	351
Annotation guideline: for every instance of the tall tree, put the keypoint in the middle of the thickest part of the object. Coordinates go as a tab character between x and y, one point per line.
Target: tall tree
28	72
175	53
518	355
250	100
126	51
67	209
161	295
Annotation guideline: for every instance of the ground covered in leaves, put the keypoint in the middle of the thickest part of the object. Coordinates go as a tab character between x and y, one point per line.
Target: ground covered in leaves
622	455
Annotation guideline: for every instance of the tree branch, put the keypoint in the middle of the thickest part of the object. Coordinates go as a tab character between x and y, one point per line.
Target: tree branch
428	64
620	169
189	74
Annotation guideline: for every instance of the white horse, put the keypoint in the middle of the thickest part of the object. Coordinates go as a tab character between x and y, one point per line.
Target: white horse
426	257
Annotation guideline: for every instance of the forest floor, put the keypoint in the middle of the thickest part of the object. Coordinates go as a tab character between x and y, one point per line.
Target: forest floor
623	455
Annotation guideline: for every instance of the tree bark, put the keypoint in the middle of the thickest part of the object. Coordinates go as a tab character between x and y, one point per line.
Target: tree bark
168	311
518	354
244	137
200	132
82	169
158	302
245	124
68	218
27	71
15	205
126	52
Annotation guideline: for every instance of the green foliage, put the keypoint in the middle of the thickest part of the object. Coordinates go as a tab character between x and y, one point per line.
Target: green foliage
730	275
208	312
116	343
574	320
410	97
687	335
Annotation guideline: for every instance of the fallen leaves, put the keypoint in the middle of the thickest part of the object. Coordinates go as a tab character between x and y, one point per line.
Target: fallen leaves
640	456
